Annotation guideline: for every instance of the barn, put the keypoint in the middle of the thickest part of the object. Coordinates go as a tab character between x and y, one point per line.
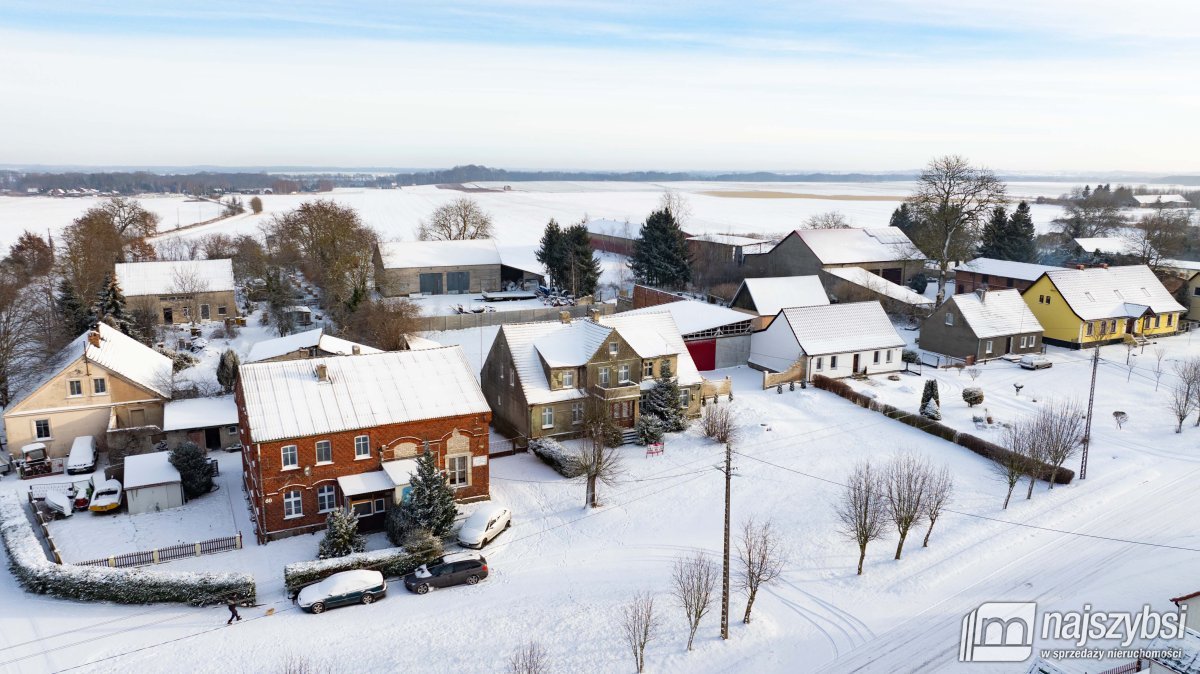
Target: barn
715	336
405	268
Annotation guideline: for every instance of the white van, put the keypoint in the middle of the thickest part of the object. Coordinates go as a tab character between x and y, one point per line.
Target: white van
82	458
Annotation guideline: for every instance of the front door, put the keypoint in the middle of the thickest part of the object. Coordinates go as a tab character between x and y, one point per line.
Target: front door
168	315
622	413
1008	348
1130	325
855	370
212	438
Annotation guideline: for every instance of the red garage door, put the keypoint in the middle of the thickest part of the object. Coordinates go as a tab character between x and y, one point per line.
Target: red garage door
704	352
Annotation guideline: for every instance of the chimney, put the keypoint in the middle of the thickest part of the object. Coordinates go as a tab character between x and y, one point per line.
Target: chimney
323	372
94	337
594	314
1104	265
355	350
981	292
564	317
1079	267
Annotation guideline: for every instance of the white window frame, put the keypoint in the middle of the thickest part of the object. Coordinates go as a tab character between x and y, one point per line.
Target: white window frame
222	310
568	379
648	366
987	347
1024	341
362	447
833	362
205	312
295	457
949	318
623	371
1170	320
576	414
458	476
547	417
685	396
37	435
1091	328
326	492
1032	341
73	384
512	377
613	348
605	376
820	363
100	386
889	355
876	359
329	448
294	501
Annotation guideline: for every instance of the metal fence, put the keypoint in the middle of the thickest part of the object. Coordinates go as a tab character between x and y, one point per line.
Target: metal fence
160	555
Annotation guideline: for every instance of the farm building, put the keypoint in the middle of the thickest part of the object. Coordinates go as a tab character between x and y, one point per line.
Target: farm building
613	236
180	291
211	423
984	272
835	340
884	251
307	344
717	258
405	268
716	337
151	483
1101	305
1162	201
765	297
982	325
319	434
855	284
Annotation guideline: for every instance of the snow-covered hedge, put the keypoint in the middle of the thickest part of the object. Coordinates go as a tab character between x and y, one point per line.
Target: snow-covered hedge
556	456
37	574
392	562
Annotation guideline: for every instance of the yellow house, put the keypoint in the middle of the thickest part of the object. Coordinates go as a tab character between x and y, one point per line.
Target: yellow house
101	384
1086	307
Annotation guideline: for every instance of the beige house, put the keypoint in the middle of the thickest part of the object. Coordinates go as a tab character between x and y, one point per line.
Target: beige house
103	384
180	291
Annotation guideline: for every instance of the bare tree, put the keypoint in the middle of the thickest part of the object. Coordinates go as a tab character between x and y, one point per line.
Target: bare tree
720	423
1118	416
1095	214
1010	465
692	582
187	283
1181	403
1035	453
640	626
20	356
1158	236
950	203
256	205
457	220
938	493
905	482
1188	372
178	248
1159	354
973	373
677	205
599	461
761	555
383	323
863	509
830	220
531	659
1060	429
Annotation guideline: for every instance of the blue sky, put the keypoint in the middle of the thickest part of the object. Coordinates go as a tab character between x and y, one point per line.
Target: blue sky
875	84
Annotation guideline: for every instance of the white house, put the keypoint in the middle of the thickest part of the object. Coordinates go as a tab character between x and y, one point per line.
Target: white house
152	483
835	340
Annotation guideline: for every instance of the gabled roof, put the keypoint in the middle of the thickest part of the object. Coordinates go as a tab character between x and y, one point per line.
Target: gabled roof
875	283
118	353
691	316
573	345
286	400
841	328
772	293
852	245
163	277
273	348
996	313
523	340
1112	292
465	253
1024	271
1106	245
655	334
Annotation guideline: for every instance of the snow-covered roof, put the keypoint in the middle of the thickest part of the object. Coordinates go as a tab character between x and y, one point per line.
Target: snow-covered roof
1108	245
727	239
1152	199
523	340
148	470
656	334
1113	292
571	346
875	283
1024	271
842	328
117	352
772	293
464	253
853	245
166	276
692	316
273	348
996	313
365	483
285	399
618	228
185	415
400	471
1178	655
1182	265
418	343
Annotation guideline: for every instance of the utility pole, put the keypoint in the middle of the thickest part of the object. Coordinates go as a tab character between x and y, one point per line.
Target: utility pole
1087	433
725	569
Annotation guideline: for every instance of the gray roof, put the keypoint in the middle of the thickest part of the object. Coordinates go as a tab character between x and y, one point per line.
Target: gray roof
996	313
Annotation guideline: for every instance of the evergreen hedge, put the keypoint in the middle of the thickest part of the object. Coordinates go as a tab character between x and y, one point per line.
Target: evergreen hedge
391	562
37	574
556	456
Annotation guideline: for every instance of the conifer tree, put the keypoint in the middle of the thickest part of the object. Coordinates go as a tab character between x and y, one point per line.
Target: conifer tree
1022	236
994	238
583	272
74	315
341	535
660	255
552	253
110	305
902	219
193	469
431	500
930	393
227	370
662	401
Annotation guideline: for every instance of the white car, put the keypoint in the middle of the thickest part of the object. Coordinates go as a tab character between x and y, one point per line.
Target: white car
362	586
1035	361
483	525
82	458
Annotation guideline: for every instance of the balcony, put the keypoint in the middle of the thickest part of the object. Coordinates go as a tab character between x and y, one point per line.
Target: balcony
623	391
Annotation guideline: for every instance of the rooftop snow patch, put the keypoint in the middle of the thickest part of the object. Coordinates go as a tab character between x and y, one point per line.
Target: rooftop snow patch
1113	292
185	415
851	245
365	483
148	470
996	313
875	283
773	293
172	276
1155	199
728	239
616	228
1024	271
273	348
692	316
842	328
464	253
287	400
1106	245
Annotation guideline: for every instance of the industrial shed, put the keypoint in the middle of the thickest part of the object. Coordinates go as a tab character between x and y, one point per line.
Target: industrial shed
404	268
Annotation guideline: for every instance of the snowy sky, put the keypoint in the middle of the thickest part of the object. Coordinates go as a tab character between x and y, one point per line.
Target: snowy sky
1037	85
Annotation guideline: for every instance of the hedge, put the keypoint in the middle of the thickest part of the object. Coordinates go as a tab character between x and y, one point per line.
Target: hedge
39	575
556	456
391	562
981	447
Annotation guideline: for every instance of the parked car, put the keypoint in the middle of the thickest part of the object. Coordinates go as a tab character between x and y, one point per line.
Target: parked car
453	569
106	497
483	525
6	463
1035	361
362	586
82	458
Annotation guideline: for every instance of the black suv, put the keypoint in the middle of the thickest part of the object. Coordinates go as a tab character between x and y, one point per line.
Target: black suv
453	569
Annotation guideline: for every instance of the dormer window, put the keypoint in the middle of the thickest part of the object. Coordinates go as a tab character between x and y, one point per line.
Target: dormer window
568	379
648	365
604	380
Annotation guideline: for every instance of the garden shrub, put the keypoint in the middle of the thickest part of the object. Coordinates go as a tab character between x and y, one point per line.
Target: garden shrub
556	456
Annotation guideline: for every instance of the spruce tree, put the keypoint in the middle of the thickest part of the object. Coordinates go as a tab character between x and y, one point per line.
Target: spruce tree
74	315
660	254
552	253
930	393
431	501
193	469
649	429
110	306
583	271
227	370
662	401
902	219
341	535
994	239
1022	236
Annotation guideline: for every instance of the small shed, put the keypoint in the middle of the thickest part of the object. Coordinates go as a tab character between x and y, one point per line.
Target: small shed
211	423
152	483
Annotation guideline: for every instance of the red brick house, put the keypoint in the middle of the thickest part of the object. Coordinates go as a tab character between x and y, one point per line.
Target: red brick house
345	431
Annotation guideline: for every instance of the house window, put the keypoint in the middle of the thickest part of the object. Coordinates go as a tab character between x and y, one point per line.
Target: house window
380	505
222	311
1196	291
683	397
568	379
187	312
1090	329
613	347
326	498
949	318
99	386
204	312
74	388
1103	327
604	376
889	355
1170	320
547	417
41	429
290	458
1023	339
1157	320
623	372
1008	282
1112	326
232	430
362	447
648	365
983	278
577	413
987	346
456	470
833	362
324	451
820	364
362	508
1032	341
293	505
512	377
876	361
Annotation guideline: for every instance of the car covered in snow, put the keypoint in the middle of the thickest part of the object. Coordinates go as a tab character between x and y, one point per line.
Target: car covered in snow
483	525
361	586
453	569
1035	361
82	458
106	497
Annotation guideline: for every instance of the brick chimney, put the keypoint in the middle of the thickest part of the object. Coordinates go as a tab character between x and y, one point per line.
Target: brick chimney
355	350
323	372
594	314
94	337
564	317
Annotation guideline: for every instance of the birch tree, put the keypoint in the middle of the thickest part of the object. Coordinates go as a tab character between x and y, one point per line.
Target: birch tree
1010	465
1060	428
692	582
863	509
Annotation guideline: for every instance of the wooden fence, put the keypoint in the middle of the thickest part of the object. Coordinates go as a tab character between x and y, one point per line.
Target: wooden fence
160	555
